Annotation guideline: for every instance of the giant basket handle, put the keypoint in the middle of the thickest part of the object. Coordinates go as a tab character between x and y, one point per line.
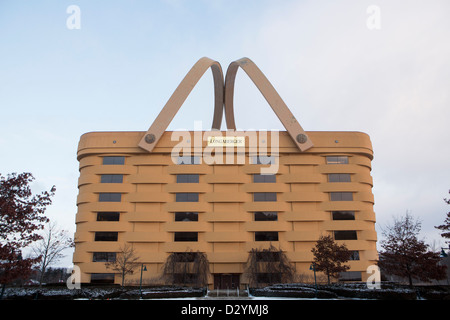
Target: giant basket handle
162	121
283	113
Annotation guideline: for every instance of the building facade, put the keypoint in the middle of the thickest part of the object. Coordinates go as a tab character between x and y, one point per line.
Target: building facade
161	206
223	194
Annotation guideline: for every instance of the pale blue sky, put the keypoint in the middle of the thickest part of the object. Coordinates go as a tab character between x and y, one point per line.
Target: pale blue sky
330	69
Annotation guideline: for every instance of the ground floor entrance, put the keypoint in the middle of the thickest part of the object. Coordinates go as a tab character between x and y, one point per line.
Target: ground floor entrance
226	280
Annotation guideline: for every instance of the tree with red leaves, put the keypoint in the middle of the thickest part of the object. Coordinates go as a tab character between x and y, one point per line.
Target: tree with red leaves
329	257
406	256
21	218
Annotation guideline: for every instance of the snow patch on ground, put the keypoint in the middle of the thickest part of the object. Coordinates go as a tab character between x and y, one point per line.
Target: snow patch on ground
388	291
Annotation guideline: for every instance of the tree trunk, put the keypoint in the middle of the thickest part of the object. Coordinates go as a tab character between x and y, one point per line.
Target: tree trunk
409	276
44	263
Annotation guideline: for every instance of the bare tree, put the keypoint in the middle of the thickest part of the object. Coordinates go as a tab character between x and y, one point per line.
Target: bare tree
404	255
126	262
268	266
187	268
50	248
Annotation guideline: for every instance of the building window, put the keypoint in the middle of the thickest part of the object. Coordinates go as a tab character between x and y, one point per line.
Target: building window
106	236
188	160
266	236
343	215
104	257
110	197
186	197
186	216
264	196
111	178
263	159
341	196
266	216
350	276
114	160
185	236
108	216
185	256
268	277
102	277
187	178
268	256
263	178
339	177
337	160
354	255
345	235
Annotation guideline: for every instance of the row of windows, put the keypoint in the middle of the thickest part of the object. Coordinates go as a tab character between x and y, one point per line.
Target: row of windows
187	236
187	257
186	178
188	197
193	236
275	256
257	178
191	216
259	236
193	197
119	160
261	277
258	215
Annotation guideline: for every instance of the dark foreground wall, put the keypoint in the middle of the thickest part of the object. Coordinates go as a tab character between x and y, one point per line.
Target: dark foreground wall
101	293
338	291
355	291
